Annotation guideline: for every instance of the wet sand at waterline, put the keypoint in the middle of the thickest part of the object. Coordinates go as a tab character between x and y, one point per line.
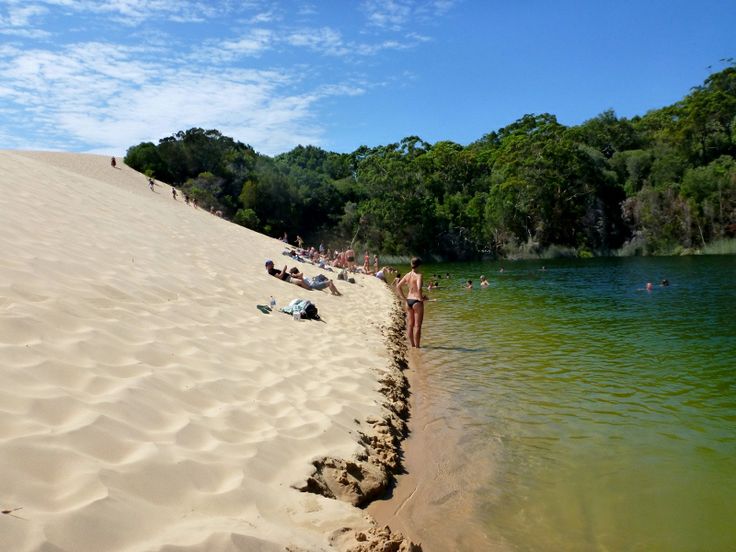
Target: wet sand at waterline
432	503
145	402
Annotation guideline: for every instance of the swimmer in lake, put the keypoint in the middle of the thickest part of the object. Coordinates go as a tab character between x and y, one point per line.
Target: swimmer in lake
414	302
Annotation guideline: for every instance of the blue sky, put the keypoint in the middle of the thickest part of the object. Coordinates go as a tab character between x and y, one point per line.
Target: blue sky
100	76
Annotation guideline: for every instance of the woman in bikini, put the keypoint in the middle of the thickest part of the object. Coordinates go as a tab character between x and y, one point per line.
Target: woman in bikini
414	302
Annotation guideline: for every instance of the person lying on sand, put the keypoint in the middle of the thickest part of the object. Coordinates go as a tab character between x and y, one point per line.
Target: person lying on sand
284	275
318	282
297	278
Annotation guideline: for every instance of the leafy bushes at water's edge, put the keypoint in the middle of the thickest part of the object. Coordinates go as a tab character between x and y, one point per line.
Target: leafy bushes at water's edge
660	183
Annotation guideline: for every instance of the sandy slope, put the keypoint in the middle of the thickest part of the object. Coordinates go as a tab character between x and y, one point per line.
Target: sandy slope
145	403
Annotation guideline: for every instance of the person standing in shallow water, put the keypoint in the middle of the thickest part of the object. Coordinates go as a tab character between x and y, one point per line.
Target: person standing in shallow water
414	302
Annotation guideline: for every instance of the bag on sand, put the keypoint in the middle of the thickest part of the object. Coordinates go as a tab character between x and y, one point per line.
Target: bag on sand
310	312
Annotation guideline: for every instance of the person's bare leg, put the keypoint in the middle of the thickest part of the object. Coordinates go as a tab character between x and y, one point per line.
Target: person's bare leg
418	309
300	283
410	325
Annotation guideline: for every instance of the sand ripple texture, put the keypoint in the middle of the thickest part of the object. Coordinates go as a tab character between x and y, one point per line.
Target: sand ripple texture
145	403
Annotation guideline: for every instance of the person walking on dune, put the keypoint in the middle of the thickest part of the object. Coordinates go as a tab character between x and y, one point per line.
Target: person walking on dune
113	163
414	302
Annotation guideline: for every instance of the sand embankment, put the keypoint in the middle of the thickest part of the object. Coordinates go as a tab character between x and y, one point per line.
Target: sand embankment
146	404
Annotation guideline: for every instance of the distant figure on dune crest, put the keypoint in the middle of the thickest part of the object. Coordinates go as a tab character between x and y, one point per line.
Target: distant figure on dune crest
414	302
173	192
150	184
113	163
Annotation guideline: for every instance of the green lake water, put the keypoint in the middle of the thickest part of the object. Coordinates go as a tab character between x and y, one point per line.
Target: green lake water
585	412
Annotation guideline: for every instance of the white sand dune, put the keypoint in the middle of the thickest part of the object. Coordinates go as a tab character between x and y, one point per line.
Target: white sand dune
145	403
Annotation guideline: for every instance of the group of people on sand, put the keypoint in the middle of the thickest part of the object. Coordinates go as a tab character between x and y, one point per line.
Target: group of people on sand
341	260
410	287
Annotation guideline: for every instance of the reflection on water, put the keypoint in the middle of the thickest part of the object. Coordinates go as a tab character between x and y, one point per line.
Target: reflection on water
579	411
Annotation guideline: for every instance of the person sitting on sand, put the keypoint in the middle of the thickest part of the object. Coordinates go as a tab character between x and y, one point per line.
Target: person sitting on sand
414	302
319	282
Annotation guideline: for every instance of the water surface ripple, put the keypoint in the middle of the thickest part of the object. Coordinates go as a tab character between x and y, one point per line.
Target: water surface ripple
607	412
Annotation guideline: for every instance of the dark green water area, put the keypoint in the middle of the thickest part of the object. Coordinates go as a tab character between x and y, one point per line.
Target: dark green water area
588	412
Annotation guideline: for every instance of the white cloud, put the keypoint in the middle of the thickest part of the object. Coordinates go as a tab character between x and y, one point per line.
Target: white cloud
325	40
254	43
264	17
28	14
396	15
388	14
101	96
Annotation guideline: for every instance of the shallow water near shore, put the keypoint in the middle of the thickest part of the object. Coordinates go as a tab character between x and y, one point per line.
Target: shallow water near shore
565	407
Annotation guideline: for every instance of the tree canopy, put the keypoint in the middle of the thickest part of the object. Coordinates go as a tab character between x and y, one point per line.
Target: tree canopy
657	183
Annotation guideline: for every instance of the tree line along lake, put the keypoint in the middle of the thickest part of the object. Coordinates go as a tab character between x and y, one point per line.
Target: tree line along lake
572	409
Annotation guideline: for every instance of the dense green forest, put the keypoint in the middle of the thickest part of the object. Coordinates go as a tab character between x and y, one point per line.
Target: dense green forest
661	183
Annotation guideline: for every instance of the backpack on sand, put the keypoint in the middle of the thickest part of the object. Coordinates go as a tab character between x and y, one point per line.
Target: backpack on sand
310	312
